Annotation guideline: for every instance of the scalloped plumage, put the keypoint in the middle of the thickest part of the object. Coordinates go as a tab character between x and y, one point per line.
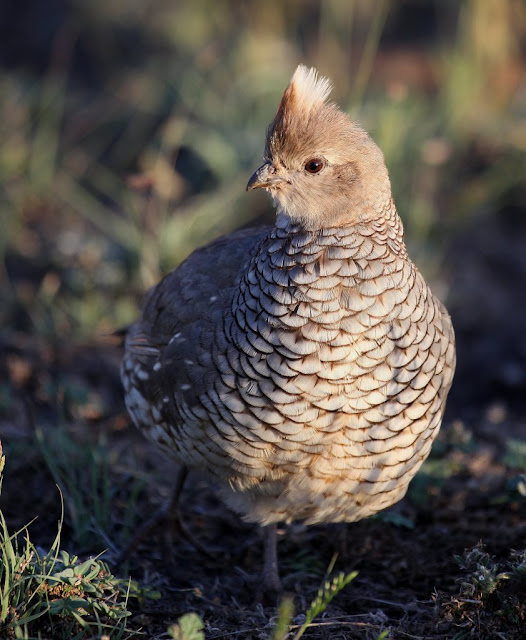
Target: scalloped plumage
305	366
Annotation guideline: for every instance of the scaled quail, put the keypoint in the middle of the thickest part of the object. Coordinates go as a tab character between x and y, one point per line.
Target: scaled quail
305	366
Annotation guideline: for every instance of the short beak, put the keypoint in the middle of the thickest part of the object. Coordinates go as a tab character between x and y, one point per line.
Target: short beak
265	176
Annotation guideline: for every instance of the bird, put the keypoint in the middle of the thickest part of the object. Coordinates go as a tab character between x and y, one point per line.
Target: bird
304	366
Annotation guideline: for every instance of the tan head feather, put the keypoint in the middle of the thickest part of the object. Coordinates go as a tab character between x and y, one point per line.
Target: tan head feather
308	89
306	93
303	114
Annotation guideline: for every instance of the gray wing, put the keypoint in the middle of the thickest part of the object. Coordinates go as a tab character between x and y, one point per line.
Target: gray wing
177	322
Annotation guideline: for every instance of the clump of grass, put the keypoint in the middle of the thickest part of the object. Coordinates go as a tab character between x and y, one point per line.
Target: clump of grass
481	574
56	594
491	599
101	493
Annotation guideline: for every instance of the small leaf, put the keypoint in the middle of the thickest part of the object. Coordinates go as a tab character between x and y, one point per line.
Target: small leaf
188	627
87	567
66	575
66	605
515	456
397	519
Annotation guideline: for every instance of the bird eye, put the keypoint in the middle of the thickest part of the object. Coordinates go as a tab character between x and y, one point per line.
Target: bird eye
315	165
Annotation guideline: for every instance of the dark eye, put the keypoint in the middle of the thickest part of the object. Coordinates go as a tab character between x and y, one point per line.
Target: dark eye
315	165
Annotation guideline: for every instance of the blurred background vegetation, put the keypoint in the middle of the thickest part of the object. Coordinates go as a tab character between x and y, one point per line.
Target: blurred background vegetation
128	130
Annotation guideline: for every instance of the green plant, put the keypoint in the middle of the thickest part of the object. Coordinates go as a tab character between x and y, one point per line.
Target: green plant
188	627
515	456
285	613
491	599
326	593
481	573
56	594
101	494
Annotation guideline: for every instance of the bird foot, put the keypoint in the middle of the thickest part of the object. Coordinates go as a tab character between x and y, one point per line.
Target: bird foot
269	590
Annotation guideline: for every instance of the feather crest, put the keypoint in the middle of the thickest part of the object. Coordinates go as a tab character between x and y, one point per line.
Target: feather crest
309	88
304	97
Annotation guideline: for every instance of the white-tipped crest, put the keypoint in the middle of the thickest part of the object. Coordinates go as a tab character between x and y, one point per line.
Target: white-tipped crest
310	89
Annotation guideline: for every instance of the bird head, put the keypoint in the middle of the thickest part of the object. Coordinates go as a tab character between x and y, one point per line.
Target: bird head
321	168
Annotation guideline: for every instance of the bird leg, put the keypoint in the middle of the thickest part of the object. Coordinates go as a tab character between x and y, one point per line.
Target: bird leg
168	513
271	581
